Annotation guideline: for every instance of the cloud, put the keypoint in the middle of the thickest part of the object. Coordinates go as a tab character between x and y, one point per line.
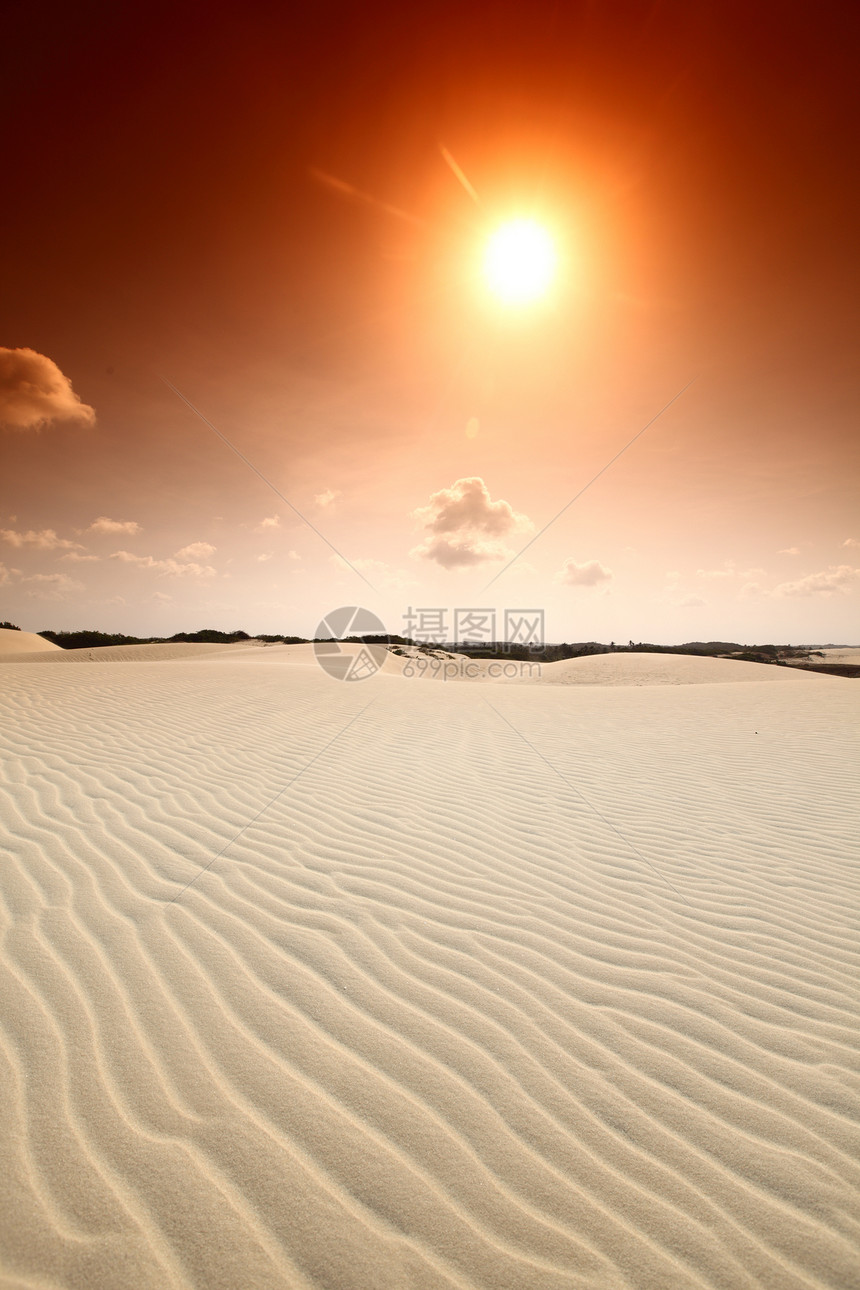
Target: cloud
851	542
43	539
794	550
834	580
691	602
267	555
5	575
293	555
270	522
196	551
52	586
34	392
76	557
105	525
463	526
166	568
590	574
728	570
326	498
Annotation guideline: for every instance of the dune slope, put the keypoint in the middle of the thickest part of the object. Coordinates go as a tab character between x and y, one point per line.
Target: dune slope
13	643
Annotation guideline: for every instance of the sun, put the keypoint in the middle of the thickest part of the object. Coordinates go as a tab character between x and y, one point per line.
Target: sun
520	261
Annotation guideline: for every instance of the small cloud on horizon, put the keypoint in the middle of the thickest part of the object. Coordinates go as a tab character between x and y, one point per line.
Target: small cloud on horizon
106	525
729	570
589	574
42	539
196	551
171	568
54	586
835	580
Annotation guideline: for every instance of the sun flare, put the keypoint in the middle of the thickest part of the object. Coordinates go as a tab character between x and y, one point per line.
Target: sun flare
520	261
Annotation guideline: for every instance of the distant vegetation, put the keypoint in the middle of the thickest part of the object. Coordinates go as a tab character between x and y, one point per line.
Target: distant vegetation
782	655
10	627
208	636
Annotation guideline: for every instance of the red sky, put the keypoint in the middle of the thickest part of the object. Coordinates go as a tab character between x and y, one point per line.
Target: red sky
165	215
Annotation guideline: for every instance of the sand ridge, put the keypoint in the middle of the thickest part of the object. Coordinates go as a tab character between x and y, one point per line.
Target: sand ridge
13	643
310	984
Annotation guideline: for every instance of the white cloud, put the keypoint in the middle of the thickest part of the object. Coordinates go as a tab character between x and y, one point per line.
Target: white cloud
34	392
836	579
728	570
195	551
166	568
589	574
267	555
790	550
5	575
691	602
105	525
270	522
293	555
464	526
43	540
326	498
76	558
52	586
851	542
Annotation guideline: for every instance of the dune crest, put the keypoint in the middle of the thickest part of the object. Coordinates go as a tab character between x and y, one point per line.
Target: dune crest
12	643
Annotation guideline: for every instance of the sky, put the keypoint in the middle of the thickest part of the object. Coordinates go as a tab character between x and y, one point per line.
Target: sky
280	216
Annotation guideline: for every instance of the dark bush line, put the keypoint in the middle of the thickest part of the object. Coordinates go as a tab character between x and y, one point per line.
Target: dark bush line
208	636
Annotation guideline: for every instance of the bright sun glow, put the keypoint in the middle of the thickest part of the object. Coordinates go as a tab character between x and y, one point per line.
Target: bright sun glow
520	261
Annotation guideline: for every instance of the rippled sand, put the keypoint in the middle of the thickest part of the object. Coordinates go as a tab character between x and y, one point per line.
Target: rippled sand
405	984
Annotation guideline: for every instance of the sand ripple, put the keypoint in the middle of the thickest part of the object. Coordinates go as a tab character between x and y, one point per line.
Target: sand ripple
510	987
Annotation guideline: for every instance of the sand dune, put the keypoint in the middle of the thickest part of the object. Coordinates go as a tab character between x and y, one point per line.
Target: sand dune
511	987
14	643
661	669
851	656
169	652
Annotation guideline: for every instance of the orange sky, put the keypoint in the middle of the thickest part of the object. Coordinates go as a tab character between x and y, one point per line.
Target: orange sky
258	208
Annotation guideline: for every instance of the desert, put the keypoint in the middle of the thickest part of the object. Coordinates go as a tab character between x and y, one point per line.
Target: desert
423	984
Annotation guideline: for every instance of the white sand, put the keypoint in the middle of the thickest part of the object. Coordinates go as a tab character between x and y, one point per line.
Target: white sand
512	987
13	643
851	656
